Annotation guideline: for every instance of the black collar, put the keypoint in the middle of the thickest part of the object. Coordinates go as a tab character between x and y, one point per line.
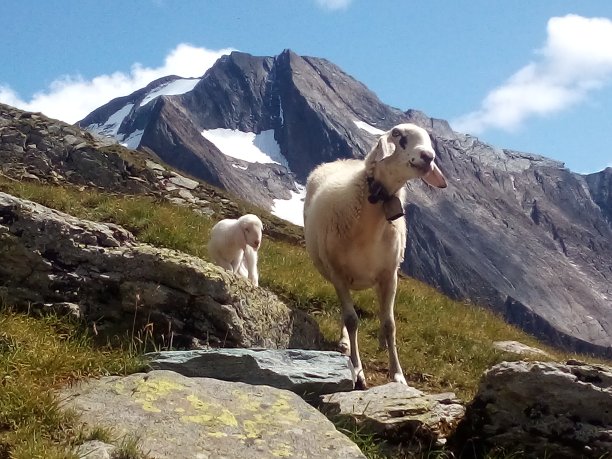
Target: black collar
391	203
377	191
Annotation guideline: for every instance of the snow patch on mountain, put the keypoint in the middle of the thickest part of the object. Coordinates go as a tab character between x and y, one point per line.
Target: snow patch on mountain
260	148
180	86
133	140
368	128
111	125
247	146
291	209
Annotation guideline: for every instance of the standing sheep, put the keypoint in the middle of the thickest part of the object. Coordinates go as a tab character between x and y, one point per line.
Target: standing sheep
354	233
234	243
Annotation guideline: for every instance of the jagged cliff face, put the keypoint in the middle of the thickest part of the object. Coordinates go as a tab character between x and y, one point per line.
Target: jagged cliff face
515	232
521	234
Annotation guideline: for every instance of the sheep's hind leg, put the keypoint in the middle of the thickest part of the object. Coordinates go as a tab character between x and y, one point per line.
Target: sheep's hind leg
350	325
386	295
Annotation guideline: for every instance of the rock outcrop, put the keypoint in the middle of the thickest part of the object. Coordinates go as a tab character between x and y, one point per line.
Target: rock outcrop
34	147
600	186
399	415
51	260
173	416
541	410
308	373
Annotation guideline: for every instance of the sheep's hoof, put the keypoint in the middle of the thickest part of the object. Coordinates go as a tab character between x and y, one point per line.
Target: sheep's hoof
399	377
360	383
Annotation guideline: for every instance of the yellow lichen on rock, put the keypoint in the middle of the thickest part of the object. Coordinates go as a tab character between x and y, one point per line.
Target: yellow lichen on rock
283	450
209	413
283	410
147	392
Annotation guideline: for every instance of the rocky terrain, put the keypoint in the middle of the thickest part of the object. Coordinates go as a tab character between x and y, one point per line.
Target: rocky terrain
52	261
515	232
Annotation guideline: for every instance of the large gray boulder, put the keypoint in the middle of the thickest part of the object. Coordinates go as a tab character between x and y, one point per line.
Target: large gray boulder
397	414
542	410
174	416
51	260
305	372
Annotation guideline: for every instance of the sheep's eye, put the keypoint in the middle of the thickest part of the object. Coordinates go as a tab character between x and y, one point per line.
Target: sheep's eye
395	133
246	229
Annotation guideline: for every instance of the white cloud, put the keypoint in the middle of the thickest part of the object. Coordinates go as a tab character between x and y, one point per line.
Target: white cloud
333	5
71	97
8	96
575	61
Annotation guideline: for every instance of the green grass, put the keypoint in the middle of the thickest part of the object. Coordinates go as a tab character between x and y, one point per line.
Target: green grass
38	355
443	345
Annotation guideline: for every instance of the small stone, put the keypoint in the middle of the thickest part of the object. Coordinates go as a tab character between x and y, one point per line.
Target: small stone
184	182
515	347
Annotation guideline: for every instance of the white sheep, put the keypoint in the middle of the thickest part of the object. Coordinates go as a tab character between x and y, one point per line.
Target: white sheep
234	243
353	231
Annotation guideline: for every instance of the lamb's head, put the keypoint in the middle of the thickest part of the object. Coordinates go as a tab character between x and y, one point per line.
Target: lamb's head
252	228
403	153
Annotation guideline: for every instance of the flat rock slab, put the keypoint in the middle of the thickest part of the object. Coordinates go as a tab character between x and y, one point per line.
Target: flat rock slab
307	373
397	413
174	416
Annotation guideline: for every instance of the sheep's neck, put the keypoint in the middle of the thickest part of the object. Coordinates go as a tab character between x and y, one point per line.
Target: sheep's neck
392	205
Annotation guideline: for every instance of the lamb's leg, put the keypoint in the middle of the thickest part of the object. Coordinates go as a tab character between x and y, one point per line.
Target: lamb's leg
386	295
220	261
250	263
351	324
237	266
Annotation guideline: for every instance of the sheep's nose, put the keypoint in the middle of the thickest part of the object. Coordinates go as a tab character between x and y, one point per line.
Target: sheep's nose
427	156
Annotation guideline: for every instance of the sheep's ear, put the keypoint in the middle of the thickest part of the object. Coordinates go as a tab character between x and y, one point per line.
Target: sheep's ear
380	150
435	177
243	226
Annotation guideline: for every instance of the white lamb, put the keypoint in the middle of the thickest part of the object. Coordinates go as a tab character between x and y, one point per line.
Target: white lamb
353	231
234	243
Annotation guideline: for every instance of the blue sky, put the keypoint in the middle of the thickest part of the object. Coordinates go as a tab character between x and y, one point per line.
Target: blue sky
529	75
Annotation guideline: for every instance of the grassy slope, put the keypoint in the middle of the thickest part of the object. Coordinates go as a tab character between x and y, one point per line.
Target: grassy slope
443	344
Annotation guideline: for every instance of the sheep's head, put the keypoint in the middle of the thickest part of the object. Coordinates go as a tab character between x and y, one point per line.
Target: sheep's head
401	154
252	228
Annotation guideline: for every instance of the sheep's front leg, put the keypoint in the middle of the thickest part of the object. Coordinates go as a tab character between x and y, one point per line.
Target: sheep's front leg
386	295
350	325
344	345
